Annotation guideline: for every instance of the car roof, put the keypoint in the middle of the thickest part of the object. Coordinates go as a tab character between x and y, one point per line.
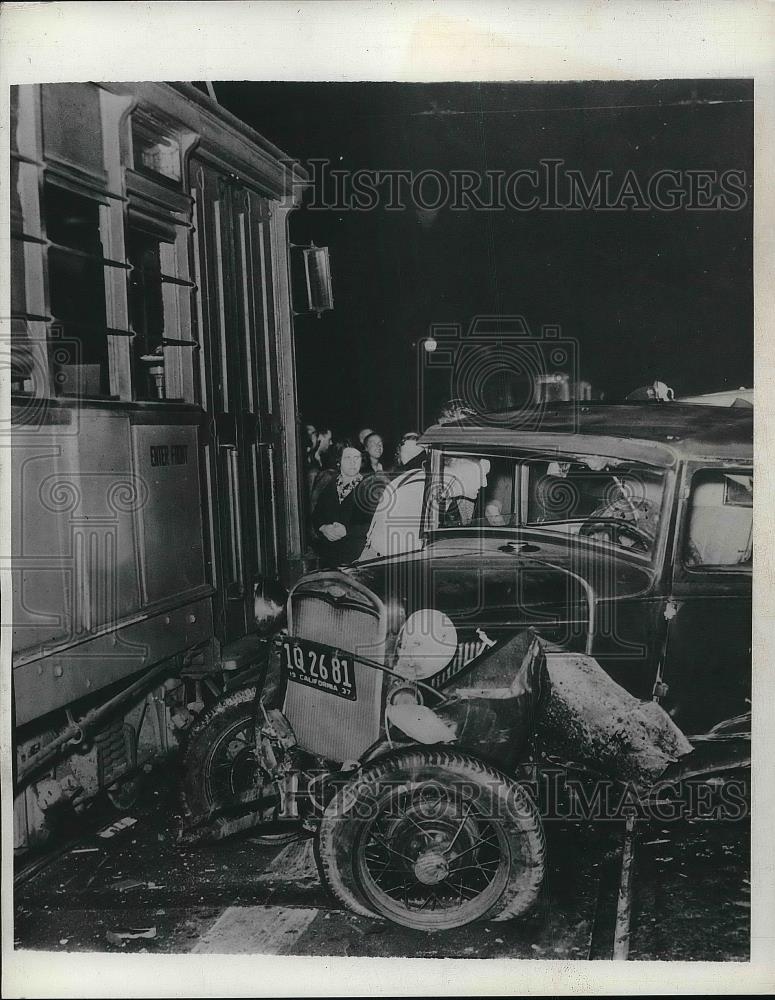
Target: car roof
650	432
728	397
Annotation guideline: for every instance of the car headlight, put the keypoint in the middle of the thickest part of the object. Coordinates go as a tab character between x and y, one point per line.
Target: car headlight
269	600
405	694
427	643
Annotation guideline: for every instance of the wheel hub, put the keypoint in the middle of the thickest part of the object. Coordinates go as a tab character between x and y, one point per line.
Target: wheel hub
431	867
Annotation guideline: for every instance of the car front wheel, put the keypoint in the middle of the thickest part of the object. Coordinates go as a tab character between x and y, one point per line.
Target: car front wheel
432	840
222	772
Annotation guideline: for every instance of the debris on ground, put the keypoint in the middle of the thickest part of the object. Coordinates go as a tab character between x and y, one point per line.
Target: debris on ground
132	934
220	828
84	850
127	883
94	873
117	827
295	862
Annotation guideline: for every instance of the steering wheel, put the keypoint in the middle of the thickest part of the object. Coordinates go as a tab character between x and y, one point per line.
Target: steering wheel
615	531
615	521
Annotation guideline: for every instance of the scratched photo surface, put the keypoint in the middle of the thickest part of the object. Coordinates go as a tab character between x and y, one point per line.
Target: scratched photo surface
380	535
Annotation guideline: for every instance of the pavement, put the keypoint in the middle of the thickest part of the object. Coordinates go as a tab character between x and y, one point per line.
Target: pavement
137	890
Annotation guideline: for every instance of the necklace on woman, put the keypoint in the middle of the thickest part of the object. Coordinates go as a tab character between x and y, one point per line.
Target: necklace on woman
344	487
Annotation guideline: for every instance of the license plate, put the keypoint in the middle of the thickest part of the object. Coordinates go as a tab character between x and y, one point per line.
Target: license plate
320	667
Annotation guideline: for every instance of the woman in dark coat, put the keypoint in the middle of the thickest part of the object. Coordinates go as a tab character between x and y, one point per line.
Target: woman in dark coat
342	513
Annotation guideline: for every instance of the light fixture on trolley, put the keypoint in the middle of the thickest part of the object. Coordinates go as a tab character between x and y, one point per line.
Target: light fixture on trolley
311	279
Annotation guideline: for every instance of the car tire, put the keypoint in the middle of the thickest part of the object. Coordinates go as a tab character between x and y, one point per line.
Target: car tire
385	848
218	763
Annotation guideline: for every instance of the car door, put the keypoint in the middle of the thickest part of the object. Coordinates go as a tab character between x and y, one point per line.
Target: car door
707	668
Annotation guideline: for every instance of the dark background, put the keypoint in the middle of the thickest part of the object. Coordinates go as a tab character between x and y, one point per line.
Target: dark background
645	294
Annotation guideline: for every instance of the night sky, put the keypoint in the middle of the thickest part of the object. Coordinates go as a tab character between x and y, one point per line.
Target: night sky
644	293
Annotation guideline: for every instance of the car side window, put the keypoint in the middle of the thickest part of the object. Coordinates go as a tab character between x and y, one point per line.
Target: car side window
720	520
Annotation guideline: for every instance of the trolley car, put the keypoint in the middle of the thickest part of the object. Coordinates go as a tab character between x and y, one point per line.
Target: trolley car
153	423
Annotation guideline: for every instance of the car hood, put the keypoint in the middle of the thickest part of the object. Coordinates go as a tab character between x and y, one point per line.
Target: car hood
483	581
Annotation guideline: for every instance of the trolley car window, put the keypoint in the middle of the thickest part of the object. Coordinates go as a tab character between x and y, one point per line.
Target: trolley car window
79	346
146	311
155	152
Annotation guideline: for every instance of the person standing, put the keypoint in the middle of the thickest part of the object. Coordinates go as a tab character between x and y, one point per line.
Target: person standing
318	459
410	453
309	440
373	447
395	527
340	516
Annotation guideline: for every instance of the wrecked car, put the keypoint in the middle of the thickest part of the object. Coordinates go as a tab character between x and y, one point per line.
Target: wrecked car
582	592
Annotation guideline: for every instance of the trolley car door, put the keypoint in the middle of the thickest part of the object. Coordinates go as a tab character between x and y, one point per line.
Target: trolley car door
237	390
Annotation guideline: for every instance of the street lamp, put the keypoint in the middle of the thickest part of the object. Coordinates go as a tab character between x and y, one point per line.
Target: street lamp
428	344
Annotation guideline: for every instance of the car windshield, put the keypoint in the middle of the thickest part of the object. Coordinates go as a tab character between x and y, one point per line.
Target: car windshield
591	496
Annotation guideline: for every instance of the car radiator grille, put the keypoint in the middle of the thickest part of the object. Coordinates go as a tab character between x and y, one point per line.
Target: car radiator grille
466	653
325	724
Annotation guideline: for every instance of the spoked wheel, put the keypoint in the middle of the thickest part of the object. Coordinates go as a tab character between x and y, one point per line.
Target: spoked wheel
433	840
222	774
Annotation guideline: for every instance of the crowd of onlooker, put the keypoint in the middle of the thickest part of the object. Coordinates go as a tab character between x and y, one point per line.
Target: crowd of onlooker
345	480
362	504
